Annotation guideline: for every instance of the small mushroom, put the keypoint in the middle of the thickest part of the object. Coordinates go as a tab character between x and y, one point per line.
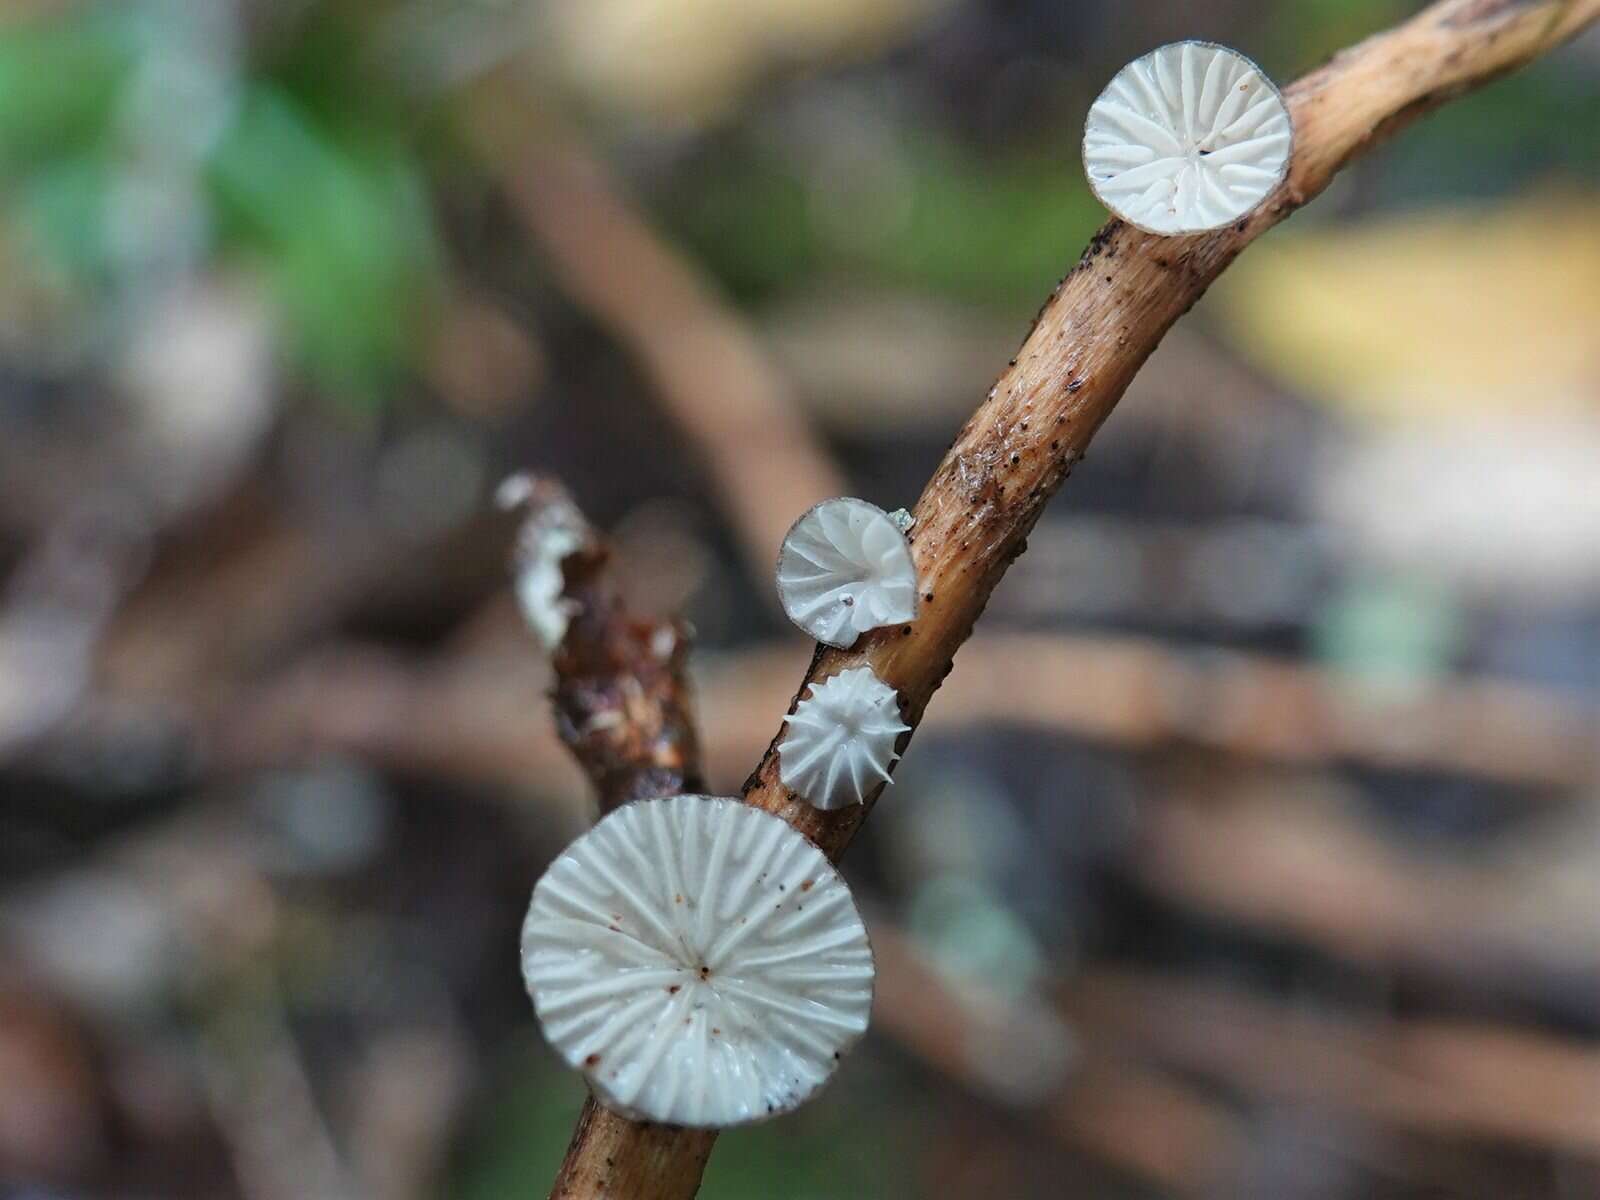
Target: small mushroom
841	739
552	531
1187	138
846	568
698	960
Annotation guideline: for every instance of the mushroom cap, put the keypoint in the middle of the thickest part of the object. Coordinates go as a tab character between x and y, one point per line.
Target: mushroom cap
698	960
1187	138
845	568
841	739
552	531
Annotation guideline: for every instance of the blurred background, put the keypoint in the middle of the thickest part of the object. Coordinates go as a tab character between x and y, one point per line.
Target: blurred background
1251	850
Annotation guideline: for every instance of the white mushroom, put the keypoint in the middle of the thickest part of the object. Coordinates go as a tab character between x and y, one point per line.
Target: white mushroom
698	960
841	739
846	568
554	530
1187	138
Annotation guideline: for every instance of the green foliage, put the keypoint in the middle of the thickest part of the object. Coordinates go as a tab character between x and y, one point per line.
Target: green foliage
999	230
319	179
339	226
1490	142
1389	630
312	181
62	207
1003	230
58	85
1298	36
742	214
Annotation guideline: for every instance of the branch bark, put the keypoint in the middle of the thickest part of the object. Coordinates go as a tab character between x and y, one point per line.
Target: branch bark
1087	343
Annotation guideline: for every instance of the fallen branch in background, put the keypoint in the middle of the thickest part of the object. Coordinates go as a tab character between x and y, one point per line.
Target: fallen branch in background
1139	1032
1127	692
1317	874
201	620
1141	694
1088	342
1457	1079
467	718
709	370
1461	1078
1136	1117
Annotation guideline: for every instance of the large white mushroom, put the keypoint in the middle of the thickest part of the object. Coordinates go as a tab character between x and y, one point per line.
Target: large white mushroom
841	739
1187	138
698	960
845	568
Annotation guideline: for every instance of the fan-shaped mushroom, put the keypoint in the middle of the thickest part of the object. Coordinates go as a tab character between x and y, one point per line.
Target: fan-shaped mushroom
841	739
1187	138
846	568
698	960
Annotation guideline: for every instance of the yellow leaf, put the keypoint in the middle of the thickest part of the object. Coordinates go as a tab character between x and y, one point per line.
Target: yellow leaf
1430	315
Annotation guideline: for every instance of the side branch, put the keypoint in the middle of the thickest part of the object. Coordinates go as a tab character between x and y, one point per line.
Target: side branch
621	696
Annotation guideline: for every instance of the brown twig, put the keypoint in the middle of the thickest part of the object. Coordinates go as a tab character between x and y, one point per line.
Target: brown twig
621	694
1089	340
